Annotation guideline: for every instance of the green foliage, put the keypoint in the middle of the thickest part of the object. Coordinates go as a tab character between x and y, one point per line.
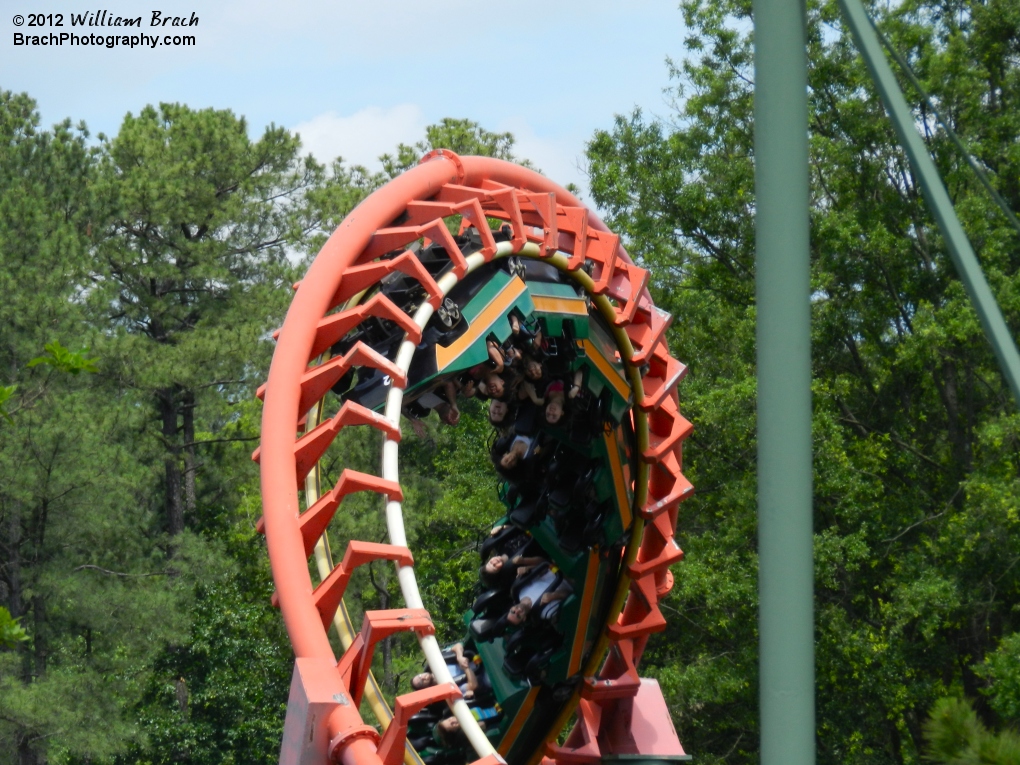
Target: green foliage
136	626
80	570
956	737
87	576
64	360
6	393
329	202
201	215
127	633
1001	669
193	272
11	633
452	508
220	696
460	136
59	358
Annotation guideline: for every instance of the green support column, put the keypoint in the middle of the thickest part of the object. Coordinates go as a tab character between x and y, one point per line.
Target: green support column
785	569
934	191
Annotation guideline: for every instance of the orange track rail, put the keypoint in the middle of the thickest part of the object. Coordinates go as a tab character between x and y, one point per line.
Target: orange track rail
540	213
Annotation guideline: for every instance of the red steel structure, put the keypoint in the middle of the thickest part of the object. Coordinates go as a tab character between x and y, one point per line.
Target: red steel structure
617	713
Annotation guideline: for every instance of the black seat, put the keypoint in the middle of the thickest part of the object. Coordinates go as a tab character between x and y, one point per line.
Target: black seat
515	657
586	480
507	540
488	629
537	666
594	518
525	515
571	534
528	651
560	354
423	721
444	757
560	498
491	603
528	418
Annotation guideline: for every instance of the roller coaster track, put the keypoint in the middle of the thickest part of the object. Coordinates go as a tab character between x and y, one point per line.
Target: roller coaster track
615	710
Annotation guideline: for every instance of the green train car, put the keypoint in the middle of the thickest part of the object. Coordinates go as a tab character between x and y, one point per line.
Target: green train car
568	496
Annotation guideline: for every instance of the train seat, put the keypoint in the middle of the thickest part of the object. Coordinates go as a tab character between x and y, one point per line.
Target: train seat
491	602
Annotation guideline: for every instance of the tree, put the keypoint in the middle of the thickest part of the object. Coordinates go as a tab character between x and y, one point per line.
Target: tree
75	550
168	261
142	279
193	268
220	693
957	737
915	434
205	700
461	136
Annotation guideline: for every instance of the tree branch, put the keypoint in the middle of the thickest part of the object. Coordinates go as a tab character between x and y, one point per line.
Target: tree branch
219	441
118	573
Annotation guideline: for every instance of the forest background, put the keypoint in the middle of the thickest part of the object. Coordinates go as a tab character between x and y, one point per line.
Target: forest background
143	273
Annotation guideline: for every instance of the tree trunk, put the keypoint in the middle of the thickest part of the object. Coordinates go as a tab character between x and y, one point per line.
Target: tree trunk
39	638
190	464
895	743
387	653
12	576
388	682
27	755
173	501
949	390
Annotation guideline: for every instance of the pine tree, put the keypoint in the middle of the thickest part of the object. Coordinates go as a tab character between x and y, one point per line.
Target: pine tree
192	269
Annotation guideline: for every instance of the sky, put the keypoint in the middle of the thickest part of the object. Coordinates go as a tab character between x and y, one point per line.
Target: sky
355	79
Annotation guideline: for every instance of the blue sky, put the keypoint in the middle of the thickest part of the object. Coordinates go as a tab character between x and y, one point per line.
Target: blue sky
356	78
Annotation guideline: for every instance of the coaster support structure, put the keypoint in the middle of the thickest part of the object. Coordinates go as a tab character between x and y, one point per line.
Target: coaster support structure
547	223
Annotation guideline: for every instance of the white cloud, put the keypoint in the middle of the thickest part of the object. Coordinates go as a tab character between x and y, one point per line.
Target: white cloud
560	157
361	137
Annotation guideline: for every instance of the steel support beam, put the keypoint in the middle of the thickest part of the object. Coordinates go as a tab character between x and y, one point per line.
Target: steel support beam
786	578
962	254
